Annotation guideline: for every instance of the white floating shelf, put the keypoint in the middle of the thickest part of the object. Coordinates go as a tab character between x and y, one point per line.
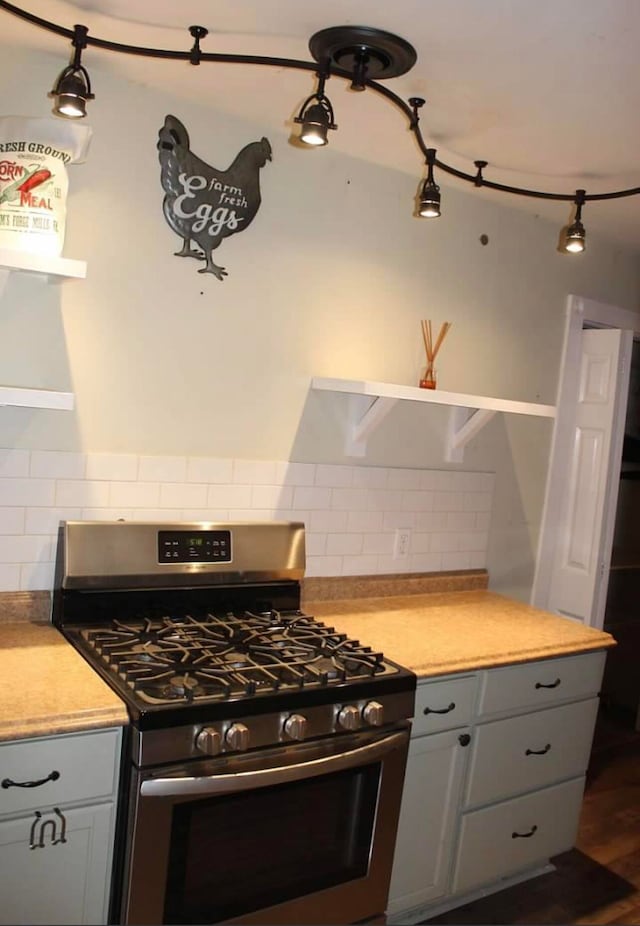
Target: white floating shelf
371	403
36	398
55	268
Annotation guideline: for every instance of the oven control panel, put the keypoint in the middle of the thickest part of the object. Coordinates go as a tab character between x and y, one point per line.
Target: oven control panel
194	546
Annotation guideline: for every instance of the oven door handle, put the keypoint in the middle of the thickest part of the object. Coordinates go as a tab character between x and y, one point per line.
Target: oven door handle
262	778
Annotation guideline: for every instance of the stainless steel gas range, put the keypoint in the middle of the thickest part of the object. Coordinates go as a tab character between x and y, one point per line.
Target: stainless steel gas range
266	752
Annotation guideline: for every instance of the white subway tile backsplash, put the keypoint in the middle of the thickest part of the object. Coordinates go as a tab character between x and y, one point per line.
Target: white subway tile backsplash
344	544
311	498
334	476
119	466
329	521
350	499
47	520
405	479
460	520
271	496
162	469
204	514
316	544
324	566
35	576
209	470
155	514
254	472
362	565
295	474
183	495
78	493
381	544
456	561
365	521
431	520
51	464
229	496
417	501
106	514
15	492
426	562
12	520
476	501
14	463
448	501
350	512
23	548
10	577
370	477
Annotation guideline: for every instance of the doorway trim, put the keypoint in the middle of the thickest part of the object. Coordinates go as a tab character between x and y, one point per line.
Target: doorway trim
580	312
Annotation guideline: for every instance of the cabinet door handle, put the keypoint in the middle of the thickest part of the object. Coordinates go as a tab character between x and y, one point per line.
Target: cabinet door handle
552	685
538	752
444	710
534	829
9	783
464	739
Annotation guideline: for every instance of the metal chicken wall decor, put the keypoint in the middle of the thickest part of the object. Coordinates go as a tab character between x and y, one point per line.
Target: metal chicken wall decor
204	205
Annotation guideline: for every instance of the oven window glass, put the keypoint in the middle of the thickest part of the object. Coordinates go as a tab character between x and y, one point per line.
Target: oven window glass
238	853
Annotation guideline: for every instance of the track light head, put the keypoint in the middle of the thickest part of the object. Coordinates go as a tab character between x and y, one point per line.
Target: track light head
429	207
575	238
316	113
73	86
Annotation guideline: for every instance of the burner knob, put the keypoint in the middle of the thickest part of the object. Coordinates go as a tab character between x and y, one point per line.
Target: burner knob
295	726
209	741
237	736
349	717
373	714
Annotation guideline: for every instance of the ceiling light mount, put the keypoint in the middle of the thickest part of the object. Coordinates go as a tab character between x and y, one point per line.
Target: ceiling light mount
197	33
365	53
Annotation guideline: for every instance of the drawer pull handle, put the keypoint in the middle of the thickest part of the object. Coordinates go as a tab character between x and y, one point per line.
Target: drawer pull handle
552	685
538	752
8	783
444	710
534	829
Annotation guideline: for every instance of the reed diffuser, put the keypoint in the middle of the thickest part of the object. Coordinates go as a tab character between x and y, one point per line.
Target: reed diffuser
428	381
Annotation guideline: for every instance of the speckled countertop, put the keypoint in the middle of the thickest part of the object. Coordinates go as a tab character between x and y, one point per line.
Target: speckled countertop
46	687
449	632
449	623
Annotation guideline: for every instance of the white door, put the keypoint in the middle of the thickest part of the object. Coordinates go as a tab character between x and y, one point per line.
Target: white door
585	517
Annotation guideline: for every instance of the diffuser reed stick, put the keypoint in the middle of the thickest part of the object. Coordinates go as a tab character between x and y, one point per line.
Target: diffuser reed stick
428	381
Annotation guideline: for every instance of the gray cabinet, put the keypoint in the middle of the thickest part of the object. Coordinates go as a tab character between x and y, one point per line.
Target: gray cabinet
56	834
431	796
475	819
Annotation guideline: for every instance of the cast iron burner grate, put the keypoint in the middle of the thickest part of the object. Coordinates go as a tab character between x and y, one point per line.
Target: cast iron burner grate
202	656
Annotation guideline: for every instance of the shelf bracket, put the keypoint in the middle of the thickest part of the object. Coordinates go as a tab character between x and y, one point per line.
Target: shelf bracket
364	415
464	424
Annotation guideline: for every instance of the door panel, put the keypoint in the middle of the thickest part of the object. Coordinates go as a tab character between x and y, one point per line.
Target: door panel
579	561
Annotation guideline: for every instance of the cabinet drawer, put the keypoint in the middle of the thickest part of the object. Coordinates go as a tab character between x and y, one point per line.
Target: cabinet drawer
541	684
517	834
444	705
529	752
86	765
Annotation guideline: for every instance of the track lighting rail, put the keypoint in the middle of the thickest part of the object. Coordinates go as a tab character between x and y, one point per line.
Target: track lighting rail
371	51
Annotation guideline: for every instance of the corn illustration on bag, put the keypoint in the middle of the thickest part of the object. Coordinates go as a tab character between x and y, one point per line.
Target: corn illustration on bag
34	156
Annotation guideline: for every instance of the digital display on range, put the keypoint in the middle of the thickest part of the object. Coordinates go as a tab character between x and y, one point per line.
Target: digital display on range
191	547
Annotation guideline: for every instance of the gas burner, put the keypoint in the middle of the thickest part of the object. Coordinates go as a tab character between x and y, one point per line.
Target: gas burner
209	656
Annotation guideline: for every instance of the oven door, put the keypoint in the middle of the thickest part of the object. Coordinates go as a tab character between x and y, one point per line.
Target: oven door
302	833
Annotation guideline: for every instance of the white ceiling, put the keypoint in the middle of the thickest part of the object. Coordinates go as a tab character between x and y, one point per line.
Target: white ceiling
547	91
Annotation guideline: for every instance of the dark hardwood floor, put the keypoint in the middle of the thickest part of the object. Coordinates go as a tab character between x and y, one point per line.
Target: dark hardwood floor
598	882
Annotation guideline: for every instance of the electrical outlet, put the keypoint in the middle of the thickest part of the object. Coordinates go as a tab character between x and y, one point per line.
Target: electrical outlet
402	542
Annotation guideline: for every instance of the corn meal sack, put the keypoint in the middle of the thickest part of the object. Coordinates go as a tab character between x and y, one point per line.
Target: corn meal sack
34	154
